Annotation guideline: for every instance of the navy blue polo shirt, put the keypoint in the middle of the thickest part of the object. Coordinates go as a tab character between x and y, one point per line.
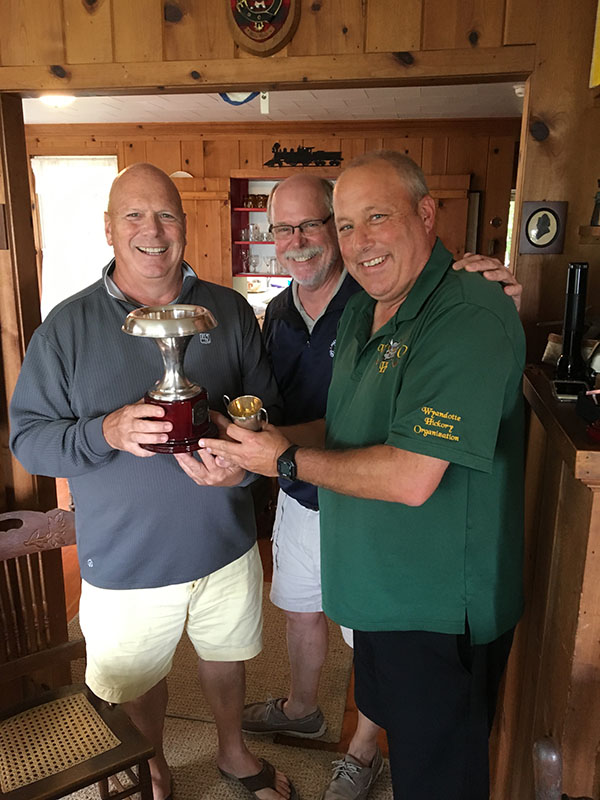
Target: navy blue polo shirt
302	365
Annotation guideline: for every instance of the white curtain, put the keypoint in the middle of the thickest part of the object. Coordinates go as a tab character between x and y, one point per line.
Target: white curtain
72	194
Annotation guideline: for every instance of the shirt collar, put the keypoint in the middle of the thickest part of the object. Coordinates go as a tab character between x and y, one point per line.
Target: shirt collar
432	273
300	308
114	291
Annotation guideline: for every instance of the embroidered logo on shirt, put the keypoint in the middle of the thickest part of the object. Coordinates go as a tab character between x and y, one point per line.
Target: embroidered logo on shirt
389	353
332	348
440	424
204	338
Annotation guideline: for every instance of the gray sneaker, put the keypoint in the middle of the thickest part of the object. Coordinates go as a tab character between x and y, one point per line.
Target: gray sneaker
268	717
352	781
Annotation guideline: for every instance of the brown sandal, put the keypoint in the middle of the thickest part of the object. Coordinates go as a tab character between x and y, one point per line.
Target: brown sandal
265	779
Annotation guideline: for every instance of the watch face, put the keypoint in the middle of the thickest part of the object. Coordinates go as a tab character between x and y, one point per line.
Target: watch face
286	469
286	466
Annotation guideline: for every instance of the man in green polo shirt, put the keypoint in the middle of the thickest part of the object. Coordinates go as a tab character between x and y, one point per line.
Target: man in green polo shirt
421	469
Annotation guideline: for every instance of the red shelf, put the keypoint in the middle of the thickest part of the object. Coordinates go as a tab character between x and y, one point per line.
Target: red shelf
259	275
240	217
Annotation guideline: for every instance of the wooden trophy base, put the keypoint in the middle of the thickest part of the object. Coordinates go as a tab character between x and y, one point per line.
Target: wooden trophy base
191	421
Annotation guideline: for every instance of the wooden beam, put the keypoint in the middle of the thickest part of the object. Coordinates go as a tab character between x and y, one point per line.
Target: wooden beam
382	69
19	299
72	135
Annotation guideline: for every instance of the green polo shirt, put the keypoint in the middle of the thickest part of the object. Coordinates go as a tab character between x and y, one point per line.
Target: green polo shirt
443	378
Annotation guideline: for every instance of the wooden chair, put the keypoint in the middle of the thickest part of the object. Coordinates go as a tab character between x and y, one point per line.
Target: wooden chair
55	740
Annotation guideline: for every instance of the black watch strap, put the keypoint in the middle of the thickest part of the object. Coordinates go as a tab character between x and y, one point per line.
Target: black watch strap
286	463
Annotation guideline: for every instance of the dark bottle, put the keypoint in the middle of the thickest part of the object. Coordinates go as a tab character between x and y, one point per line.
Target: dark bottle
570	365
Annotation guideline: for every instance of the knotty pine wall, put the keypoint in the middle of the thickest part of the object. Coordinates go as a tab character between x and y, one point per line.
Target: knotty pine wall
104	44
486	149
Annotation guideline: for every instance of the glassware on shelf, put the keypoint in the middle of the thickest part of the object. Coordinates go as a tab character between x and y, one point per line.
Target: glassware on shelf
255	233
245	260
244	234
271	265
254	263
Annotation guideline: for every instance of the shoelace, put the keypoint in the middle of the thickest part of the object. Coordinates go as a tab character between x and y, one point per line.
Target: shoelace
345	769
271	705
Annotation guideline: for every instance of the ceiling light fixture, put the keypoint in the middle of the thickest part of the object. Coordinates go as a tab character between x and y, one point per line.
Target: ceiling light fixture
57	100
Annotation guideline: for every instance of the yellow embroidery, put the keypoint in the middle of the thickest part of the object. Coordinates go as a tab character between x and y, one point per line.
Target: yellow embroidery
438	424
425	432
389	353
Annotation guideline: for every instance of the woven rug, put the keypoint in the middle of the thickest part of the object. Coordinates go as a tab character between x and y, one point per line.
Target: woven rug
267	675
190	748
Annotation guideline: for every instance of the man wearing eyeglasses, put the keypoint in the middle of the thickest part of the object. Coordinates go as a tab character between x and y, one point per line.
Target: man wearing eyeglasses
300	336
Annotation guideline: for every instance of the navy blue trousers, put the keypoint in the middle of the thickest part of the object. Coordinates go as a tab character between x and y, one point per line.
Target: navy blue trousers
435	695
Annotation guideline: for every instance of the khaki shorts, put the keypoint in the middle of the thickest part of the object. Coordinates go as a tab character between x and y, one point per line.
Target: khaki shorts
131	634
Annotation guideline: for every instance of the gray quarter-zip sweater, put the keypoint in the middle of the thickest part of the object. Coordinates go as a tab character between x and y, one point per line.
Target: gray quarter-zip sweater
141	522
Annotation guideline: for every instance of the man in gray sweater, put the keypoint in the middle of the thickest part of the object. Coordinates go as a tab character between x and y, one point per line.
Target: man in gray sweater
157	552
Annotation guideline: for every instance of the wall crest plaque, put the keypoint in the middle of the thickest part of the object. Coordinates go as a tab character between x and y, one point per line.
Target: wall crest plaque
262	27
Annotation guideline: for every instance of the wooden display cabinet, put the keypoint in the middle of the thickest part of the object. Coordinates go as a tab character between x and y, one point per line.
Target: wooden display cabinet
240	220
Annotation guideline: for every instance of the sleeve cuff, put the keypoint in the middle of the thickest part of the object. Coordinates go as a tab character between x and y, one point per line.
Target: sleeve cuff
438	450
95	437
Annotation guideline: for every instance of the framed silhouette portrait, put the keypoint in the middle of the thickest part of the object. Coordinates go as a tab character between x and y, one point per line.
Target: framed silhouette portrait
543	227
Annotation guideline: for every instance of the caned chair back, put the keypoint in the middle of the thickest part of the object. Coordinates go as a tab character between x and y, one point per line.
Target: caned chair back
56	740
33	622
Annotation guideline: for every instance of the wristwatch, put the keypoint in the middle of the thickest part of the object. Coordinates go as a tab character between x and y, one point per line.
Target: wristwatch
286	463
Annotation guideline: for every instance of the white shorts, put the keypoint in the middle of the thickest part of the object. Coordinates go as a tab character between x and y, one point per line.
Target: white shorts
296	557
131	634
297	560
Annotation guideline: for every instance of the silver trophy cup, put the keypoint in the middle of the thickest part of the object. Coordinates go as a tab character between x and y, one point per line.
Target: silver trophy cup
185	402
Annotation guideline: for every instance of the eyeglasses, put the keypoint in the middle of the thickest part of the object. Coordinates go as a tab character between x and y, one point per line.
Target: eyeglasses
308	228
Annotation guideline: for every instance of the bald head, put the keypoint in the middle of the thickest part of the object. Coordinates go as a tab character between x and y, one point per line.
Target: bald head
145	225
140	175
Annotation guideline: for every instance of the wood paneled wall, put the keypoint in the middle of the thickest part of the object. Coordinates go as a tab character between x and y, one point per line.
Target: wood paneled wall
214	152
560	160
93	44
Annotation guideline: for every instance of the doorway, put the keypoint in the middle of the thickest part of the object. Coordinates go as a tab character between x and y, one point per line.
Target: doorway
71	197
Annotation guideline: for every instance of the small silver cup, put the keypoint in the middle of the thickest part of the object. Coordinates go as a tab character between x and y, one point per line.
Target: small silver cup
247	411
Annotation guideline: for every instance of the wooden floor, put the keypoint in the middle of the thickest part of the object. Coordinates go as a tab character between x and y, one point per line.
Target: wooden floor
72	591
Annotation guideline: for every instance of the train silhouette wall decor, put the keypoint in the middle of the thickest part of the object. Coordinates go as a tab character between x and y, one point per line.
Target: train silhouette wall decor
303	157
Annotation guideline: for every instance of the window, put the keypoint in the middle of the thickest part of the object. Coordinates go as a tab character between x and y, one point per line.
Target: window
72	195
